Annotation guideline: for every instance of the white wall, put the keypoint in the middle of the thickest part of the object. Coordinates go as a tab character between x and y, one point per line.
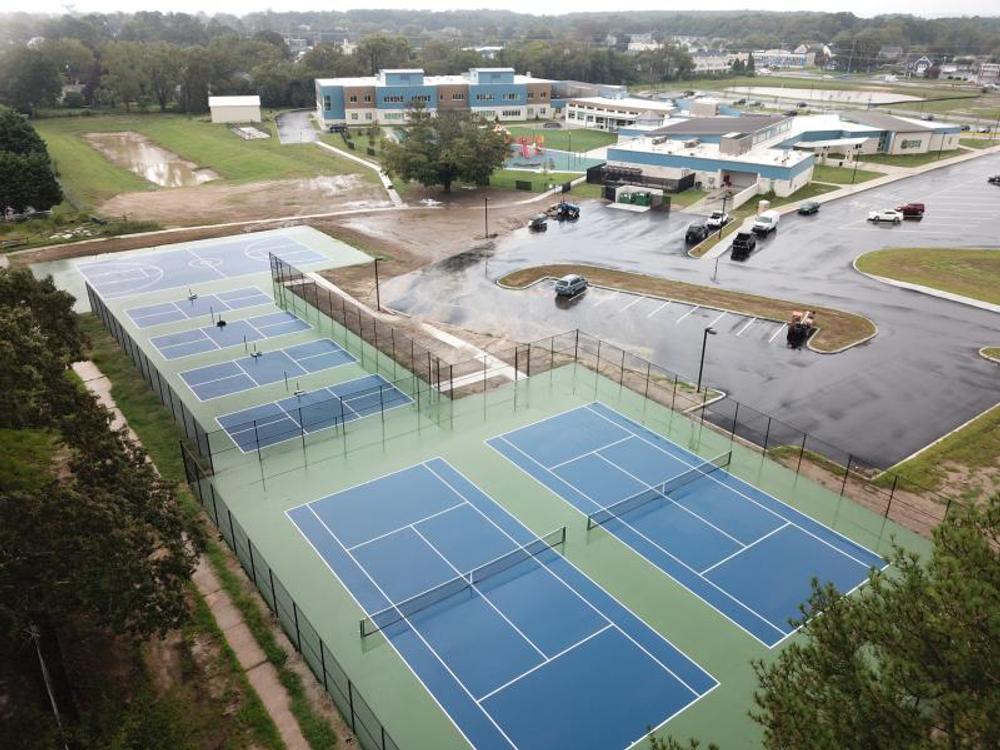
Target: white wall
230	113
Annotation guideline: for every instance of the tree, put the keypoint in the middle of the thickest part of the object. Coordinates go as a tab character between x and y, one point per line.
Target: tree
71	57
751	67
383	51
17	136
163	67
195	78
439	150
29	80
911	661
27	181
126	73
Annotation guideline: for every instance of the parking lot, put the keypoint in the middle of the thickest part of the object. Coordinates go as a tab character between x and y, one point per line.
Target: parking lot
916	380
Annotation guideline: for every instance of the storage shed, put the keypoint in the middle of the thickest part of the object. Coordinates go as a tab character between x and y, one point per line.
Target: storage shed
234	108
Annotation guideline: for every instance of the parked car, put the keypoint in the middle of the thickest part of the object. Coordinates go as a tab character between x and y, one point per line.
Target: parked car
744	243
809	208
965	128
928	116
570	285
696	233
765	223
717	219
885	214
994	179
912	210
740	101
753	103
802	105
983	130
552	124
790	112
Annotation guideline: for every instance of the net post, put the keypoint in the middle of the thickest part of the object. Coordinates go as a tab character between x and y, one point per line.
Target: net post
256	437
381	402
302	430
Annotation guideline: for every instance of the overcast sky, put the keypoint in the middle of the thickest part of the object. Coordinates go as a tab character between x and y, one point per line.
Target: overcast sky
240	7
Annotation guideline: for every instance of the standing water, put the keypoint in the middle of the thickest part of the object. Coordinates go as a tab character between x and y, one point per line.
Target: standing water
137	153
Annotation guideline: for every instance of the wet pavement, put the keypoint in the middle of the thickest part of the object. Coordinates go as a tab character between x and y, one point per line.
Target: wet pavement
296	127
919	378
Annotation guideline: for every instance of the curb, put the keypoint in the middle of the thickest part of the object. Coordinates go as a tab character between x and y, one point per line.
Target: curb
929	291
982	353
809	345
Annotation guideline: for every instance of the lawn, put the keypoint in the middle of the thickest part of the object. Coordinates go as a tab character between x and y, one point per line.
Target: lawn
837	328
968	272
568	139
993	352
811	190
908	160
978	142
843	175
504	179
89	179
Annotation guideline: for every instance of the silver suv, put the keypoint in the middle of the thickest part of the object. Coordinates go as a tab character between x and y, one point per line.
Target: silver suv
570	285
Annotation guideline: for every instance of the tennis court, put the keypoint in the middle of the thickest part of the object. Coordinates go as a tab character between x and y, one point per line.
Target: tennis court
311	411
236	332
745	553
263	368
194	306
517	646
193	265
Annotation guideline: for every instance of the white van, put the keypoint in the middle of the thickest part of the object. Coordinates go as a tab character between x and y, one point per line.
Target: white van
766	222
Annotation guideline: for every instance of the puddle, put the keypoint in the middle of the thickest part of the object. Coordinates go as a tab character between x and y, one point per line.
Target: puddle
138	154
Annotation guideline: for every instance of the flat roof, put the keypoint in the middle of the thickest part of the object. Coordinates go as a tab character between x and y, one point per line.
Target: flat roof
402	70
884	121
830	142
355	81
722	125
758	156
234	101
628	102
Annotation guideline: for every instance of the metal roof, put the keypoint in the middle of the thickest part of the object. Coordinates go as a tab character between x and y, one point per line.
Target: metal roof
234	101
882	121
720	125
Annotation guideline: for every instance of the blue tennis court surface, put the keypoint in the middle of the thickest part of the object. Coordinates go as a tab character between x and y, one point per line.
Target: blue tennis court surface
533	654
186	308
189	266
276	422
234	333
745	553
225	378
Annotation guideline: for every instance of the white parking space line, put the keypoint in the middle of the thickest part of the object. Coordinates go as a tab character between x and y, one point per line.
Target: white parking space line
777	330
686	314
602	300
721	316
744	328
636	301
659	308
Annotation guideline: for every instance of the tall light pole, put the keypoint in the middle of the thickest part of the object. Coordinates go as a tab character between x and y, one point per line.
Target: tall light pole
378	297
725	195
486	217
709	331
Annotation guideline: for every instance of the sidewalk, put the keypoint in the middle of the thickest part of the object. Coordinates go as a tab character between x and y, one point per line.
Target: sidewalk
383	178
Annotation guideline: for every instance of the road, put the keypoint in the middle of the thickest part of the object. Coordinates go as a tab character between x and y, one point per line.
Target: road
296	127
919	378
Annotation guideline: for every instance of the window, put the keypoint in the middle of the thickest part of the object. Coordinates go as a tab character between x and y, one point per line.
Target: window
354	115
912	143
420	98
510	97
368	98
510	113
531	95
353	99
542	95
326	103
368	115
392	99
484	97
458	97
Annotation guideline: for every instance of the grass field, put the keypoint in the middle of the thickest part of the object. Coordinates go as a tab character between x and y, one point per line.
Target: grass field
566	139
908	160
838	328
88	178
978	142
504	179
843	175
993	352
971	273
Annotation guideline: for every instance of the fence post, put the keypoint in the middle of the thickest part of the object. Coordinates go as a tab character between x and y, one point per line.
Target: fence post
381	402
598	368
350	703
621	375
552	352
392	336
451	382
802	451
673	397
517	360
892	491
767	434
253	568
645	393
322	662
847	473
576	346
298	634
527	370
274	591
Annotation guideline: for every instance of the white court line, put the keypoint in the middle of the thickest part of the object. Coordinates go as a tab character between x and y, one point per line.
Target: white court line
727	558
686	314
777	330
636	301
721	316
755	502
408	526
638	533
483	596
591	452
570	588
413	628
749	323
548	659
659	308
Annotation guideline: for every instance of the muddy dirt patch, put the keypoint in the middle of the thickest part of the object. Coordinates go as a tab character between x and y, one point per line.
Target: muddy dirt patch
136	153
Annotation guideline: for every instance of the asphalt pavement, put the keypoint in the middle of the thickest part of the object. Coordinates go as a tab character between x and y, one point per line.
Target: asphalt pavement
919	378
296	127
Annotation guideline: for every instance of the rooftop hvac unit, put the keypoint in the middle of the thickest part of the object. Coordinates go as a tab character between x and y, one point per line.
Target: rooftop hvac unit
659	139
692	142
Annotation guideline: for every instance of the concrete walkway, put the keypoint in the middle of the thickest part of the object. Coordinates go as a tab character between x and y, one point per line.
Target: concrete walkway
383	177
263	675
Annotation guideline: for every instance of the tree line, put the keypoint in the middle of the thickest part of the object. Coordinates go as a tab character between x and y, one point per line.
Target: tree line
27	178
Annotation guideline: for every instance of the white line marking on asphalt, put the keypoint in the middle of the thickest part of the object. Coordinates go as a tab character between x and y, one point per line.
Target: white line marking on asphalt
659	308
686	314
721	316
636	301
749	323
602	300
778	330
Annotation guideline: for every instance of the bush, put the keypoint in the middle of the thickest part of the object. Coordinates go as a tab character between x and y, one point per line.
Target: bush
73	100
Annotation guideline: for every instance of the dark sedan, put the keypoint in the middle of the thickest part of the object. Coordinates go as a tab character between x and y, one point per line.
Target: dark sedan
696	233
809	208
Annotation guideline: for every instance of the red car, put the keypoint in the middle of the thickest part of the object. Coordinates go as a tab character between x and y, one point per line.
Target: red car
912	210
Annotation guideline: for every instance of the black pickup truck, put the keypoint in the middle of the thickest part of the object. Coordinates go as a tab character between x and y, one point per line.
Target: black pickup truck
743	244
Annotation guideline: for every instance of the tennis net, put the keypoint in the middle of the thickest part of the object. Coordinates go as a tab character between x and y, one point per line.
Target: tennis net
408	607
659	492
